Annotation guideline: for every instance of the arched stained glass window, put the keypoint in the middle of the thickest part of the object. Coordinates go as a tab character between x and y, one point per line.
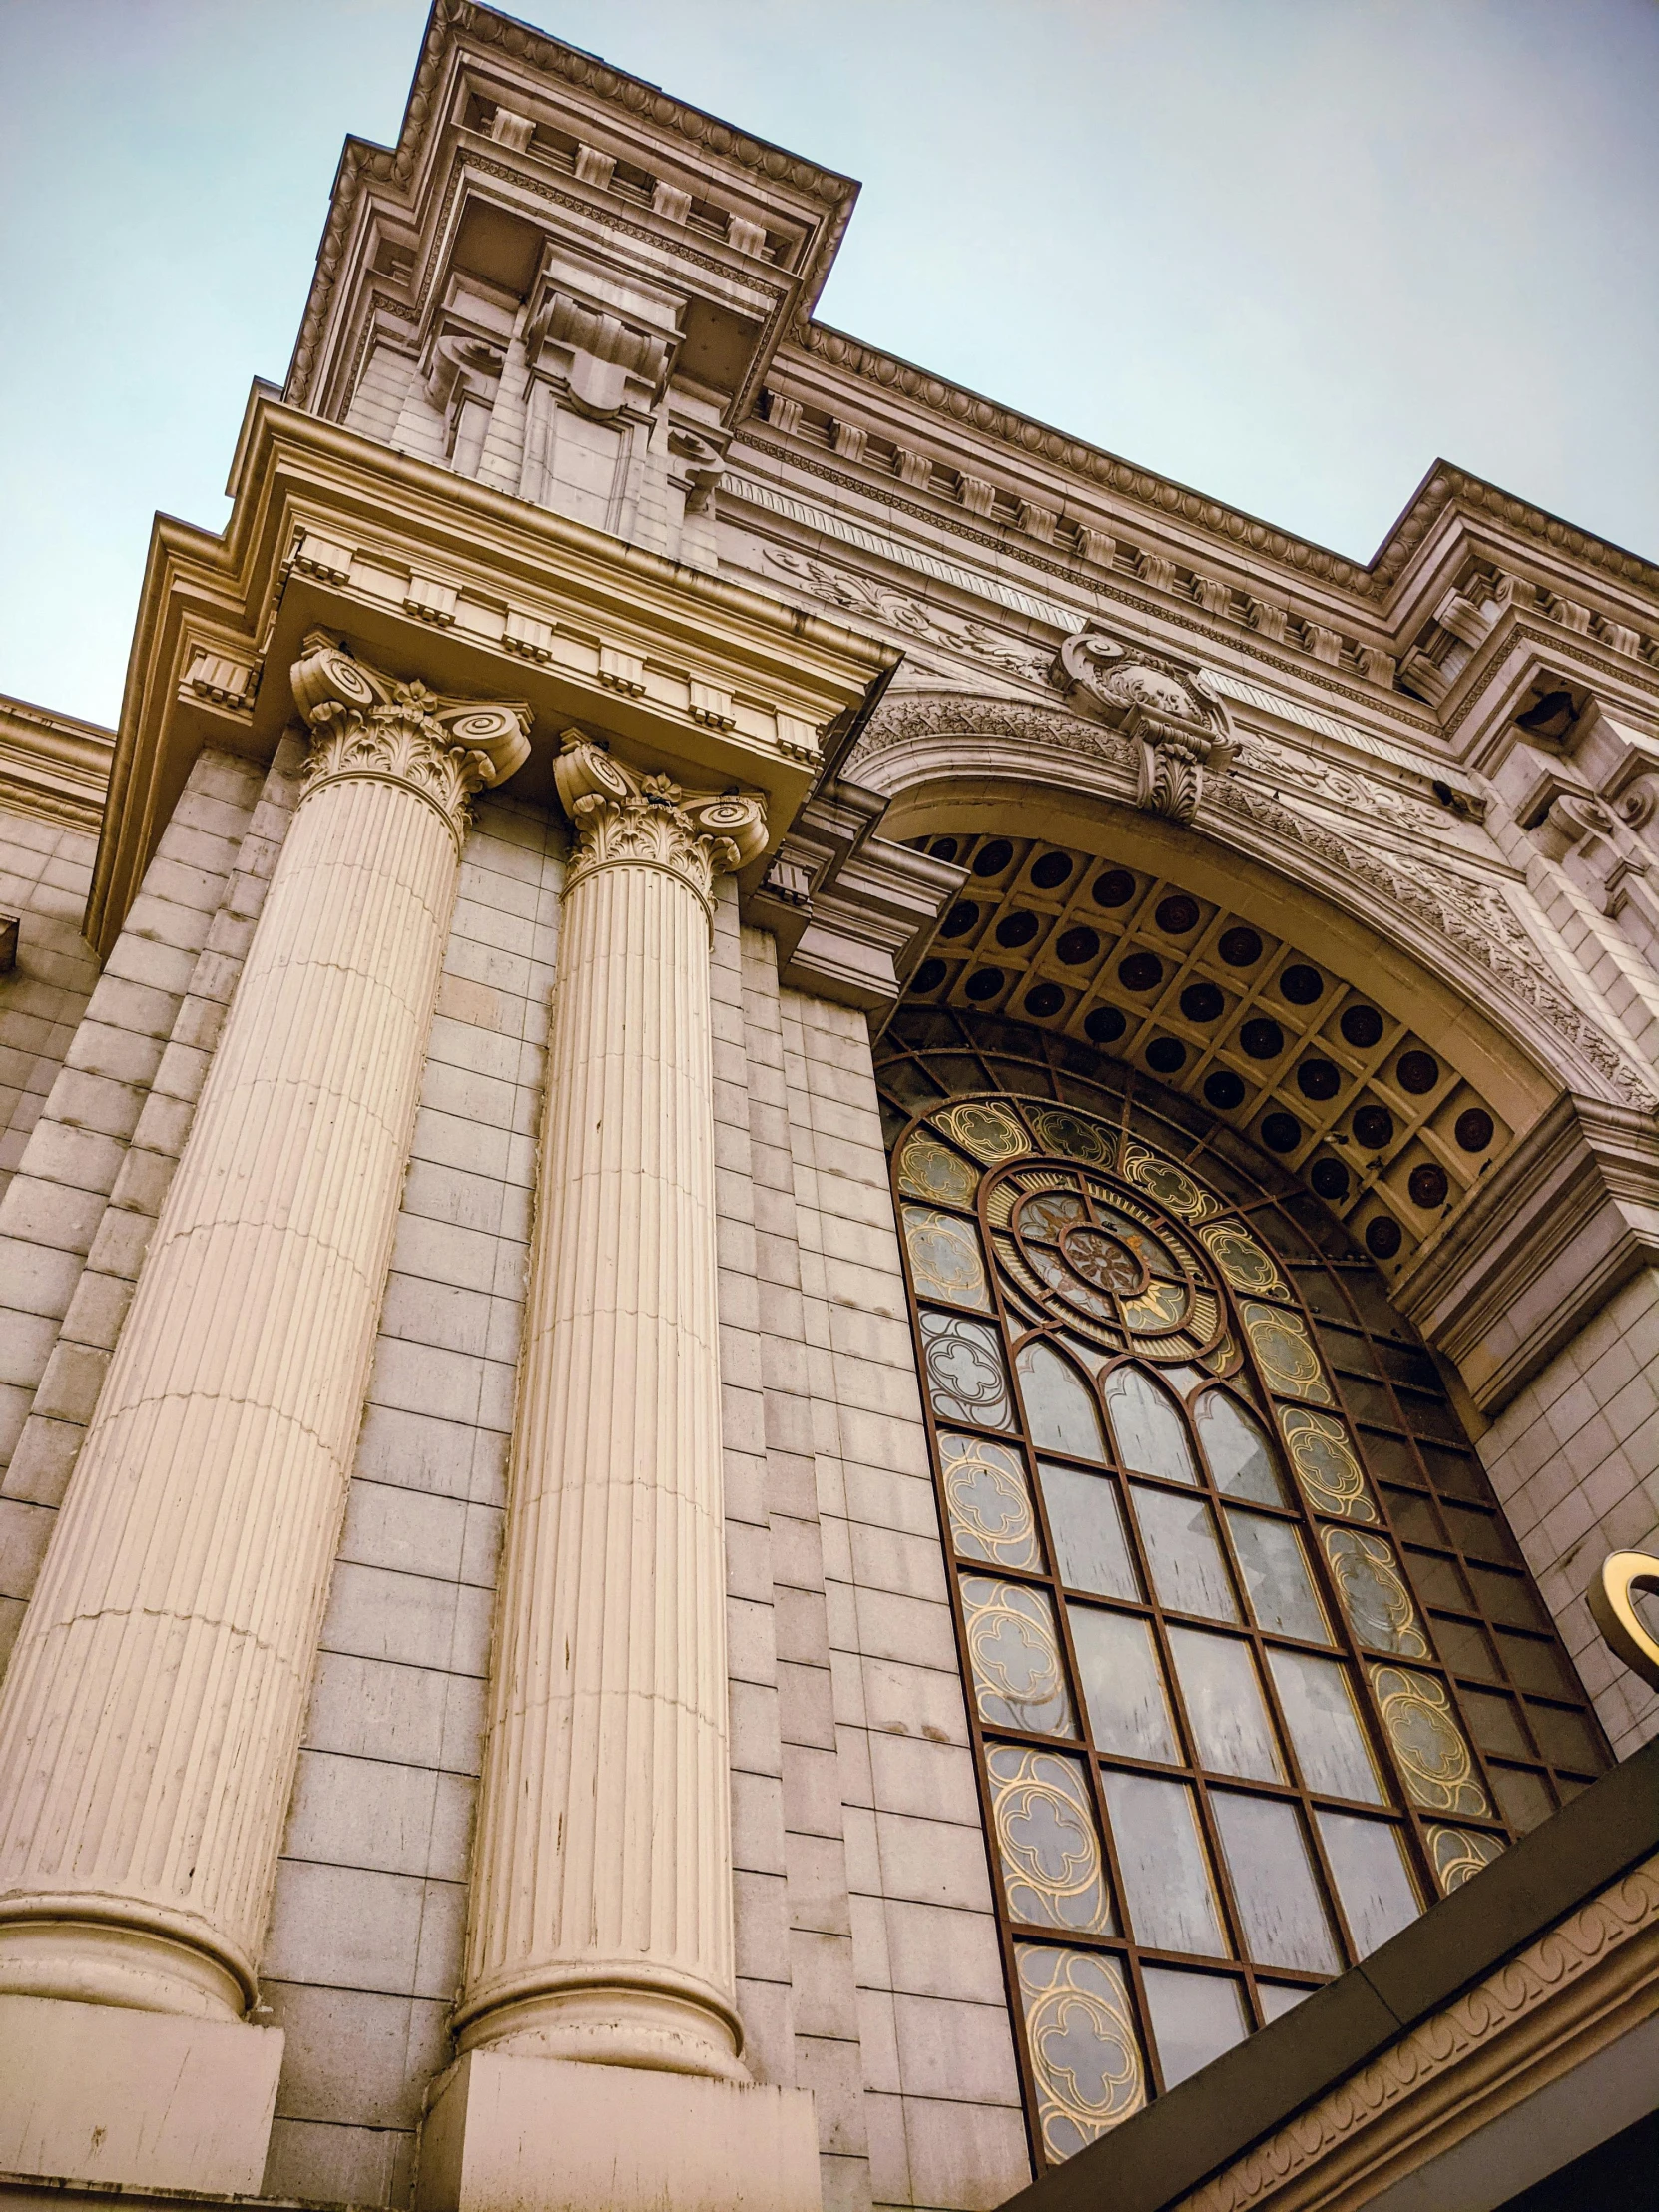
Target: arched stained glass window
1255	1670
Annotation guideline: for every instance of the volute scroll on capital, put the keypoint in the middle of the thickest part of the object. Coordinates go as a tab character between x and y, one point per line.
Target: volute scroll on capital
1167	708
625	819
367	724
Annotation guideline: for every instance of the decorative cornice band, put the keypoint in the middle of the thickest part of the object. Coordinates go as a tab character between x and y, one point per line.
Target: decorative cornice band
395	165
1167	498
1037	439
865	597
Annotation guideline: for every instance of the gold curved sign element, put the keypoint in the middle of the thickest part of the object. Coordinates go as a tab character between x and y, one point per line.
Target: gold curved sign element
1612	1602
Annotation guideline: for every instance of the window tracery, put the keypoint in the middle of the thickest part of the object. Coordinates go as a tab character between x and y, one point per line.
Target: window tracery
1254	1671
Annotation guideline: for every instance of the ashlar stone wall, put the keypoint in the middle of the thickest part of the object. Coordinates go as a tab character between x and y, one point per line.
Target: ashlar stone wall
867	1955
45	874
363	1957
1574	1459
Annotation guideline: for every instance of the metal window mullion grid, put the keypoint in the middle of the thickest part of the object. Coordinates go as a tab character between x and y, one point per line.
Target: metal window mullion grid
1464	1560
1240	1967
1208	1825
1246	1630
982	1733
1406	1432
1120	1944
1399	1804
1419	1818
1053	1076
1344	1654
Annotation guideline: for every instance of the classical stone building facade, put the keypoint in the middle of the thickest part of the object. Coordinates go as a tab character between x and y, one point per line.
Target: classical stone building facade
830	1262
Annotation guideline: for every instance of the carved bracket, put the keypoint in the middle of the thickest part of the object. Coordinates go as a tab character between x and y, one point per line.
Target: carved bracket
1176	718
599	355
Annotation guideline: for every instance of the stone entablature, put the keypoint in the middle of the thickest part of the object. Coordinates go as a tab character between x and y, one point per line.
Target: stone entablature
700	674
53	766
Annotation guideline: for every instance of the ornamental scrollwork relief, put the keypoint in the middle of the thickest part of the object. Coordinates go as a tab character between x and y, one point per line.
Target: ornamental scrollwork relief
367	724
944	713
625	819
1169	712
1360	796
1469	913
859	595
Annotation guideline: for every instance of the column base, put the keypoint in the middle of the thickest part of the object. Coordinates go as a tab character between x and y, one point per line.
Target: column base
99	2092
503	2132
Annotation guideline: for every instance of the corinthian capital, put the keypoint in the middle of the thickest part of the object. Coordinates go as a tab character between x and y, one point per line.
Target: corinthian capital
365	724
627	820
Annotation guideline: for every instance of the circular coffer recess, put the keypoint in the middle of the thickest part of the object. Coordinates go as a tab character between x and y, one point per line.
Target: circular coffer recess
1325	1078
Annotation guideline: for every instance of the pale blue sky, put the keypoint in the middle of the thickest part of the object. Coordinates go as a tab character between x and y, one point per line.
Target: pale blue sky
1286	251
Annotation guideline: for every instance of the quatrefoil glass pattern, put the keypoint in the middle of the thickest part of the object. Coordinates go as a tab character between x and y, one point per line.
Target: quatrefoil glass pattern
1253	1672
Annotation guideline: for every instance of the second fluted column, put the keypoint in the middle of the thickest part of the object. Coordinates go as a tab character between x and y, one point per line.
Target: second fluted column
601	1910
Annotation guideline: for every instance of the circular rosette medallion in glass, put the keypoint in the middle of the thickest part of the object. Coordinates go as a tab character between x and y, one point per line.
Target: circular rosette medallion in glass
1074	1246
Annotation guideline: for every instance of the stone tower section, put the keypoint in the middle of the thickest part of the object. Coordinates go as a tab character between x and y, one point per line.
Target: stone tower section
562	284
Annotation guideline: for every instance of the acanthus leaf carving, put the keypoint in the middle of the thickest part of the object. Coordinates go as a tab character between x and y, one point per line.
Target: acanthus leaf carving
622	818
1168	709
859	595
1359	796
368	724
943	714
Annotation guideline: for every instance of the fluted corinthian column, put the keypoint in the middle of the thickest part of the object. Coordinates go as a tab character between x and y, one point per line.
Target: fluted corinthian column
601	1906
150	1723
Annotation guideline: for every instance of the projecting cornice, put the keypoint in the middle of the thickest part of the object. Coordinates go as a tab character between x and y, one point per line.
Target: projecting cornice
53	764
506	125
765	213
1245	536
436	578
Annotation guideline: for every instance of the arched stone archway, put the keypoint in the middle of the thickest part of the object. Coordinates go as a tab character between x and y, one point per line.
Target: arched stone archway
1525	1258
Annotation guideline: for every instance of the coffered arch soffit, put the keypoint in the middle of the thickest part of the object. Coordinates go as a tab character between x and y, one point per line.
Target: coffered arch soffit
1362	872
1435	1036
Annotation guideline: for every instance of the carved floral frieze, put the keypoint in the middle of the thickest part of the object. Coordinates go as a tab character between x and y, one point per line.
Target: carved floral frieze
943	714
859	595
1469	912
1359	796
